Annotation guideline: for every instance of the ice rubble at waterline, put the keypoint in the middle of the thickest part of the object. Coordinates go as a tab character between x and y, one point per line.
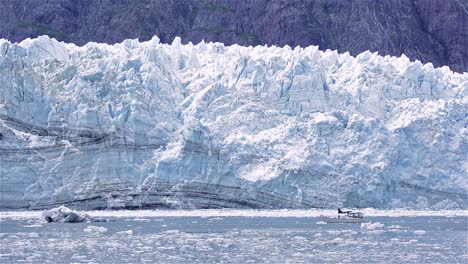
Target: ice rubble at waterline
145	124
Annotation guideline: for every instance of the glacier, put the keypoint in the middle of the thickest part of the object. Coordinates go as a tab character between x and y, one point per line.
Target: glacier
151	125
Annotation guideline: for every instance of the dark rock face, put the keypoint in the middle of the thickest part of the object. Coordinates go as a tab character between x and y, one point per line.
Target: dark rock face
428	30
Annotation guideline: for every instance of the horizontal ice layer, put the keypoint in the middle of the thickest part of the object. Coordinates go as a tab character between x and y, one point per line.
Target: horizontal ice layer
155	125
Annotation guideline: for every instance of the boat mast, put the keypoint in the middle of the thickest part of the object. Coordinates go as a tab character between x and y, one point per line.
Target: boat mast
339	190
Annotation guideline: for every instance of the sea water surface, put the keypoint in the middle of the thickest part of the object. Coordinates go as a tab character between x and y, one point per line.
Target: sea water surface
236	236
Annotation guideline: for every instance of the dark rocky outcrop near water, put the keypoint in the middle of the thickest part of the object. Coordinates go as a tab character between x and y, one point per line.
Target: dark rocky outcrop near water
428	30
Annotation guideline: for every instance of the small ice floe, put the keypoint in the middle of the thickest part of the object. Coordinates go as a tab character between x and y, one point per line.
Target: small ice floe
64	214
372	226
33	225
215	219
376	232
128	232
321	223
32	235
185	249
95	229
171	232
299	239
142	219
419	232
394	230
318	235
338	232
337	241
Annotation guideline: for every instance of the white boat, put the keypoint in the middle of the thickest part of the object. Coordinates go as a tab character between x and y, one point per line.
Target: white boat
345	217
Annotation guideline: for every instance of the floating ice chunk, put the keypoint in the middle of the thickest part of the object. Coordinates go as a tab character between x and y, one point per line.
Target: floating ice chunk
128	232
215	219
171	232
372	226
321	223
337	240
419	232
376	232
95	229
185	249
142	220
395	230
33	225
32	235
299	239
64	214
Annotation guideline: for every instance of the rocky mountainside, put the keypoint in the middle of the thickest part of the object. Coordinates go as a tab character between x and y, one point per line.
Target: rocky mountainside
433	31
145	124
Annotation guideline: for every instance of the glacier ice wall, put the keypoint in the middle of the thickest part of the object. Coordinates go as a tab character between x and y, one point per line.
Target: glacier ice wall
203	126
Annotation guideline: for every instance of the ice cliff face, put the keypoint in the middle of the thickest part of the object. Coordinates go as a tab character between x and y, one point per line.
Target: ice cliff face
155	125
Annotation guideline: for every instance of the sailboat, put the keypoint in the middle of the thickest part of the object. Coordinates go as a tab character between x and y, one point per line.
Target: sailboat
344	216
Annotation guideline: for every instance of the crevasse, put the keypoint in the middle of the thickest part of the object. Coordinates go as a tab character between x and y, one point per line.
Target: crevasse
140	125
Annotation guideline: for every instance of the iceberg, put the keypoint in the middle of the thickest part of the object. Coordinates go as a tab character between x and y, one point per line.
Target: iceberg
151	125
64	214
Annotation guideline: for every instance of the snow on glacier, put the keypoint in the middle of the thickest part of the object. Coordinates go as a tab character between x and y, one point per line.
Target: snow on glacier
142	124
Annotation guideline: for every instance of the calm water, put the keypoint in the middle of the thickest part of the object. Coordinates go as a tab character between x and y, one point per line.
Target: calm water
430	239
